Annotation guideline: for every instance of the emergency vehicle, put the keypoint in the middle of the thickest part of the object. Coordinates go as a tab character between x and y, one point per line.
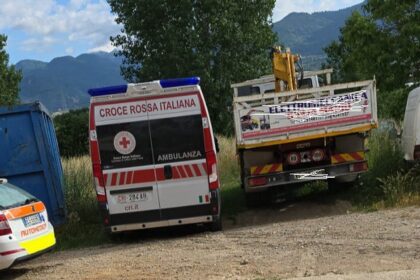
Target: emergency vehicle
154	155
25	231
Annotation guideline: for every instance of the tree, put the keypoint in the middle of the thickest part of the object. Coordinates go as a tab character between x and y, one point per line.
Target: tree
9	77
72	132
385	42
220	41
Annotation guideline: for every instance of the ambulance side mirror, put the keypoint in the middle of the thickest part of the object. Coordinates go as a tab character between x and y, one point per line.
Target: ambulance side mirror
216	142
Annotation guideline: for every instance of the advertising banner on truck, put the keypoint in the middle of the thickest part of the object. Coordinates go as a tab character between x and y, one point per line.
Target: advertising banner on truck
306	115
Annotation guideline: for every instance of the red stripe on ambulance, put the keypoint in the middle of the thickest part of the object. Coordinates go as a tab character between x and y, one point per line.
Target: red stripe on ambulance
196	170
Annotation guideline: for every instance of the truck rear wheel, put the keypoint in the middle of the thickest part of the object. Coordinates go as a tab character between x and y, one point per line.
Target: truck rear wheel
342	183
255	199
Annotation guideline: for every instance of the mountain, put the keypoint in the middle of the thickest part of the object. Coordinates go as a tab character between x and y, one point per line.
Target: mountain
307	34
62	84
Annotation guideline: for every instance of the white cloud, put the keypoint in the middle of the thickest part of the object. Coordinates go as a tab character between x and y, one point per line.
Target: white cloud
285	7
69	51
79	20
108	47
38	44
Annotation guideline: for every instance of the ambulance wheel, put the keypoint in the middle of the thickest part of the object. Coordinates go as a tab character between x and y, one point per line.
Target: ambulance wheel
216	224
116	237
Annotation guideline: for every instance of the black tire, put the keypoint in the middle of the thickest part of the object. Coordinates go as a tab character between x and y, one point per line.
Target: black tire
334	186
255	199
116	237
216	224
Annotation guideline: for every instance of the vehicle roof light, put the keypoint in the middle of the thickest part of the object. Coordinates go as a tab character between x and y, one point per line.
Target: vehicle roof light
108	90
190	81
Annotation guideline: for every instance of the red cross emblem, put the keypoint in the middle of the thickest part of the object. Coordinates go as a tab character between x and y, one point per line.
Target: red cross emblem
124	142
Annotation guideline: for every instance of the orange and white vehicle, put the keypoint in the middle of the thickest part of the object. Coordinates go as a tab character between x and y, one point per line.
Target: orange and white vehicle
154	155
25	231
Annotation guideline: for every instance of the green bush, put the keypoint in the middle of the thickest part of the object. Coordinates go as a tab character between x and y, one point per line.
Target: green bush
401	188
384	159
72	132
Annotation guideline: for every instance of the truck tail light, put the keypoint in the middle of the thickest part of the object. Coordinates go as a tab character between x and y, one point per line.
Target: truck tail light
212	171
4	226
357	167
99	183
318	155
259	181
293	158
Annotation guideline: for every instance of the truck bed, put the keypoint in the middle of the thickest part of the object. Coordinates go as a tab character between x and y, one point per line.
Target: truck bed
264	119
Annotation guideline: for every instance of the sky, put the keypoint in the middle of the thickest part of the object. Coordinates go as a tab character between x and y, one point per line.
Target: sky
45	29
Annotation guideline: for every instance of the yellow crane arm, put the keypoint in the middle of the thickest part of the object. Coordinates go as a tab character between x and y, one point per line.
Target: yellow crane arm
284	69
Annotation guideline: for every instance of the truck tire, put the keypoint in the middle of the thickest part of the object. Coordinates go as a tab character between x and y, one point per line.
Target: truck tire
255	199
342	183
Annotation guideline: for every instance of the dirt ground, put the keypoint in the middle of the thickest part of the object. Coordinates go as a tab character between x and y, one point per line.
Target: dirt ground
313	240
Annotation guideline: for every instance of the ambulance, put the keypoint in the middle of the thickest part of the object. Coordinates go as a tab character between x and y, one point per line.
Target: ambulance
154	156
25	231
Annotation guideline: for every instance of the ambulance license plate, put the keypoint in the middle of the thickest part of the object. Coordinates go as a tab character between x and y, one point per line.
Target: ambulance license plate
133	197
32	220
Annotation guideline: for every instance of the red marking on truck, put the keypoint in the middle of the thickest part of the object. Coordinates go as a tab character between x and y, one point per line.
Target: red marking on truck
346	157
266	169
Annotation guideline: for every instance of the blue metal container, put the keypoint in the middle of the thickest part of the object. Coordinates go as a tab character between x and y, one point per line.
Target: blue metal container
29	155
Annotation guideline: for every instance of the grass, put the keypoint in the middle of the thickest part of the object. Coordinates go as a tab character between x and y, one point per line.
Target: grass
390	182
84	225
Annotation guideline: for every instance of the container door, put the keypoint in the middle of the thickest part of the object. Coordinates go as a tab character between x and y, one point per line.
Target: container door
179	156
127	164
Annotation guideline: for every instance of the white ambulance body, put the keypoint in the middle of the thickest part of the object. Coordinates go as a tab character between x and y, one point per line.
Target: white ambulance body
153	154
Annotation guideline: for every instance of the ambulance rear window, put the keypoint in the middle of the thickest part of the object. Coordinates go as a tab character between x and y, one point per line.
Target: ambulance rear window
124	145
177	139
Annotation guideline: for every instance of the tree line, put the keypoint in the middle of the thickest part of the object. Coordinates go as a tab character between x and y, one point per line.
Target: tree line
225	42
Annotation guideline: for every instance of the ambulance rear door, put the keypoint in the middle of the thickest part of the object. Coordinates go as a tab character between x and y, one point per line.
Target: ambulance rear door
127	161
179	156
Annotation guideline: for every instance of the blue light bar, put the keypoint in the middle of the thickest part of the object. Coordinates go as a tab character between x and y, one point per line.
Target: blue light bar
108	90
191	81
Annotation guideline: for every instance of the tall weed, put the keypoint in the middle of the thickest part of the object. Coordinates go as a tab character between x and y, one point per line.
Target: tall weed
84	225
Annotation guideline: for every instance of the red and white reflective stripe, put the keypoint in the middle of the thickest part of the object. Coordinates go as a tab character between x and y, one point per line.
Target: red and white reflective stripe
148	175
189	170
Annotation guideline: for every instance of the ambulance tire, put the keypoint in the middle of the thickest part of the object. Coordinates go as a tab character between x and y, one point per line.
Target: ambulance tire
216	225
116	237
